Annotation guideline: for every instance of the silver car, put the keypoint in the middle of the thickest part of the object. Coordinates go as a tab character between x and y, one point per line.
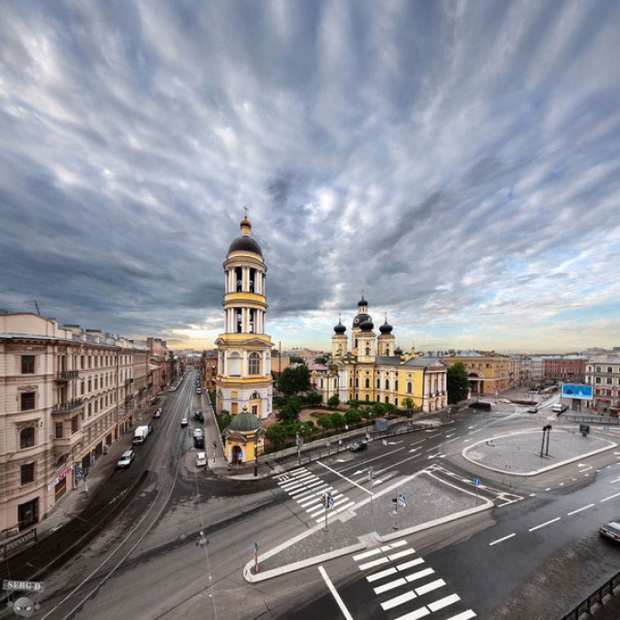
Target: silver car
610	530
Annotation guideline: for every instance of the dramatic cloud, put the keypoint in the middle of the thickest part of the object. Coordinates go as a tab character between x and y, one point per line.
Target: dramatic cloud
457	161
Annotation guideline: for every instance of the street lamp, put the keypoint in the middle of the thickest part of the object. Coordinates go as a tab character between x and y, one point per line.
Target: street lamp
545	429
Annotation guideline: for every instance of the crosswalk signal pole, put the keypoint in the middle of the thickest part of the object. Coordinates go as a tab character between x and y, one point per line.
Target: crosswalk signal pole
395	500
326	504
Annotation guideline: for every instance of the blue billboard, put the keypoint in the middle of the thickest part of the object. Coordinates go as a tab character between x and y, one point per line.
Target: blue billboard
577	390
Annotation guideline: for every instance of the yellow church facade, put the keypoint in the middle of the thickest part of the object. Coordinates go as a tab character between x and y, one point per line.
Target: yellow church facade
370	368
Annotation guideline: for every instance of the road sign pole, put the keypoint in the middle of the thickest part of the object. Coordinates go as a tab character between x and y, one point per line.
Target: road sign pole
255	557
326	504
396	513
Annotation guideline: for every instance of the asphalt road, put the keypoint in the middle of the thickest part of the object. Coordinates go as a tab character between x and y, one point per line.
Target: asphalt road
547	559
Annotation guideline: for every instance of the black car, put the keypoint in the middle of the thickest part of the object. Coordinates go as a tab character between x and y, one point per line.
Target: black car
357	446
199	442
198	416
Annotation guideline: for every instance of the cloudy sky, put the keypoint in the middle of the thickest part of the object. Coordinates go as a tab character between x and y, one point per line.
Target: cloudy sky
457	161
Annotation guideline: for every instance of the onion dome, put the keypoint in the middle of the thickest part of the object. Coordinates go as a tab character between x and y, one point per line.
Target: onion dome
244	422
245	243
340	328
398	351
362	302
367	325
386	328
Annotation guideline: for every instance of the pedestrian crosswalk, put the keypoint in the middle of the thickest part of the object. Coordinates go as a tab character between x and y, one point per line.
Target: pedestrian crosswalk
407	588
307	490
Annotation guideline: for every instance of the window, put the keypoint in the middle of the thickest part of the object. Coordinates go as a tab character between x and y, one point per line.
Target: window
27	473
409	387
239	279
235	365
74	424
396	385
27	364
367	384
27	401
58	430
387	384
254	366
26	437
367	350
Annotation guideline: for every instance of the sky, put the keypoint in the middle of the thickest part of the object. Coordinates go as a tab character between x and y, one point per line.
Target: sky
457	161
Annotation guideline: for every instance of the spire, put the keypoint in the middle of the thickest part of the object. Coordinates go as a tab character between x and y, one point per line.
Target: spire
246	227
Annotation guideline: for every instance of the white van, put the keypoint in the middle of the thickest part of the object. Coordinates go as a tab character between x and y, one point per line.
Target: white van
558	408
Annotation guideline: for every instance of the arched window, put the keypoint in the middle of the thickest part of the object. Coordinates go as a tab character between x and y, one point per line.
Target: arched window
396	385
367	382
387	384
367	350
235	365
254	363
26	437
409	387
378	384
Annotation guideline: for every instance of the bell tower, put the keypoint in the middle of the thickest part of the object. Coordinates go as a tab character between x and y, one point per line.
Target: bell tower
244	350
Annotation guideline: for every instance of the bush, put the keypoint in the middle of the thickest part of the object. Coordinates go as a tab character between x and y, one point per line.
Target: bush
313	399
333	401
352	416
337	420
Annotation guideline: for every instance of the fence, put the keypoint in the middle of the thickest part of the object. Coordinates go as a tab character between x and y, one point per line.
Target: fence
592	419
596	598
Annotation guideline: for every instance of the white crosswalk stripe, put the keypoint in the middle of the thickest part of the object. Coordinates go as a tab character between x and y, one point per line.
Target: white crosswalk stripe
405	586
307	490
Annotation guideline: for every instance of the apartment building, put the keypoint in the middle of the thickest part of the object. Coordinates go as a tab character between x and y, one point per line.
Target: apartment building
66	394
603	373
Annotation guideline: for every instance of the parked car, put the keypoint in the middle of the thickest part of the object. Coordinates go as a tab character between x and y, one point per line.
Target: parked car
610	530
198	432
198	416
201	459
533	410
357	446
199	442
184	421
505	401
125	460
157	414
198	390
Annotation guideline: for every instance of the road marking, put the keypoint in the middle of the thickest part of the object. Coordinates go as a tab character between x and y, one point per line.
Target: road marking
616	480
401	554
429	587
399	600
465	615
415	615
610	497
380	575
366	554
444	602
476	431
345	478
580	509
419	574
374	563
499	540
390	585
546	523
398	543
332	589
406	565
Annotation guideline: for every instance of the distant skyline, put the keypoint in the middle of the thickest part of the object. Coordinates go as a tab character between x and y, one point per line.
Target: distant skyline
457	161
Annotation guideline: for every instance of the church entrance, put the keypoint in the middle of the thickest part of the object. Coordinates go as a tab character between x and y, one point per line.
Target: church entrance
237	455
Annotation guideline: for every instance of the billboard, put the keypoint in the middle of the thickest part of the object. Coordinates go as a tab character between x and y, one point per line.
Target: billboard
577	390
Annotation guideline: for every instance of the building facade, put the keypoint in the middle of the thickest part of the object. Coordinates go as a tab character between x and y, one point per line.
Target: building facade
603	374
488	373
66	394
244	349
371	368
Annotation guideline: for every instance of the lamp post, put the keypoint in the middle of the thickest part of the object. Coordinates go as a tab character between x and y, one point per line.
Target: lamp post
545	429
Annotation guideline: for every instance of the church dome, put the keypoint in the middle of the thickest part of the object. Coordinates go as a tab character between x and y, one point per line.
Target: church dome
367	325
386	328
244	422
340	328
398	351
362	302
245	244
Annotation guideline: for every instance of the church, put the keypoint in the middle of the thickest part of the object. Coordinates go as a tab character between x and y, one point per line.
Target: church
371	368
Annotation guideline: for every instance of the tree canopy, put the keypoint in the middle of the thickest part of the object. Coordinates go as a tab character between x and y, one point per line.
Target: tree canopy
457	383
294	380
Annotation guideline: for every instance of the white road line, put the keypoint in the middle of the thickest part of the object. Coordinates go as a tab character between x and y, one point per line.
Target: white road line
616	480
380	575
476	431
394	545
464	615
608	498
544	524
390	586
580	509
332	589
401	554
374	563
444	602
499	540
429	587
366	554
399	600
419	574
345	478
415	615
406	565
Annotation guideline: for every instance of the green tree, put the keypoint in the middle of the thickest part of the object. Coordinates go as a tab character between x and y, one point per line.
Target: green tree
294	380
457	383
313	399
352	416
325	422
337	420
333	401
295	359
276	434
322	359
289	411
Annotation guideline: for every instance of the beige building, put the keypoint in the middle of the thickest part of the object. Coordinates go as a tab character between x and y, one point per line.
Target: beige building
603	374
66	394
488	373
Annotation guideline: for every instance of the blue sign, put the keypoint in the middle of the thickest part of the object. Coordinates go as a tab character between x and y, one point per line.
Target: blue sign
477	481
330	500
577	390
255	546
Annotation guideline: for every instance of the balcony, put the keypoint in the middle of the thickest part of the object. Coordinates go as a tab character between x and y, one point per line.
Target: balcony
68	407
65	445
66	375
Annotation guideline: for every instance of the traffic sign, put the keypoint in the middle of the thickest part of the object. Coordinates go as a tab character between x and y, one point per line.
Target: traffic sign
477	481
22	586
401	499
255	546
330	500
